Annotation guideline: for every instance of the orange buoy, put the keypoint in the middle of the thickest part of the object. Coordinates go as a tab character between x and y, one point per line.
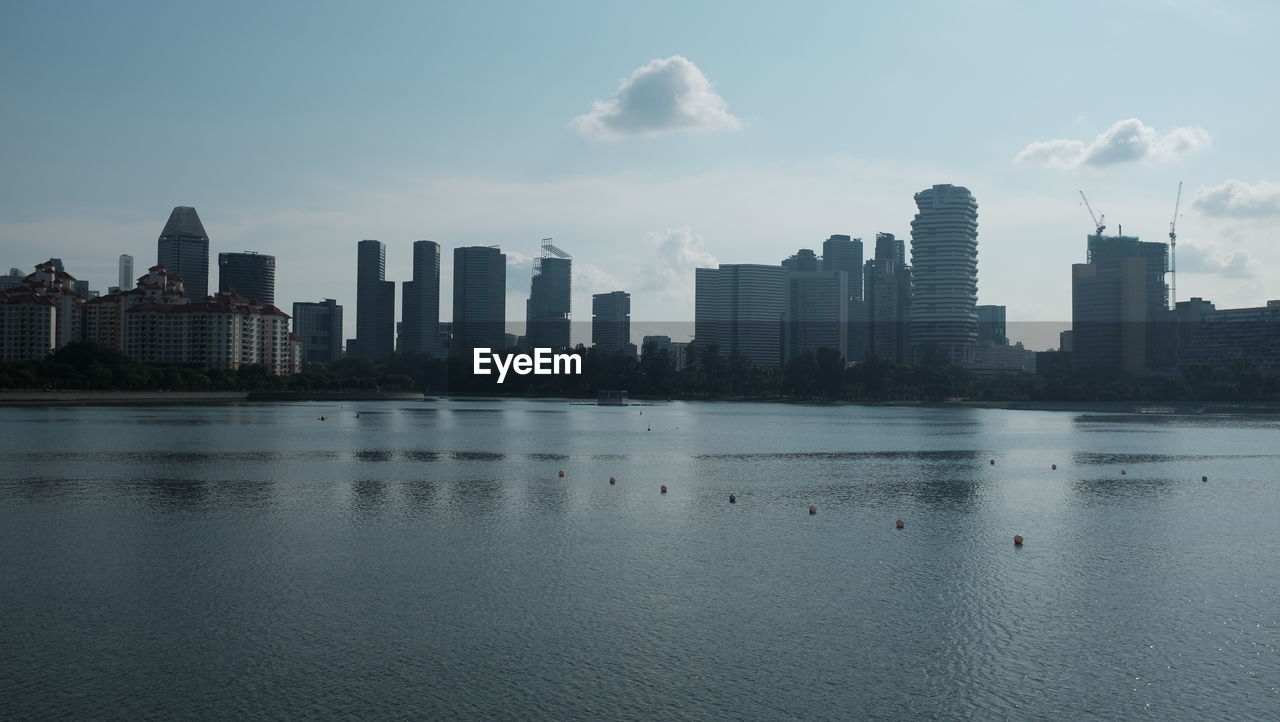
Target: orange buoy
1017	540
813	509
664	488
1053	466
900	524
562	474
613	480
733	499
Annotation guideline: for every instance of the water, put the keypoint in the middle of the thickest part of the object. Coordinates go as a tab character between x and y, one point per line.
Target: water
425	560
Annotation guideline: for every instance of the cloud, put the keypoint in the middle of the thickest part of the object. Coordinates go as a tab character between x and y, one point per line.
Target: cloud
1208	257
589	278
1237	199
676	252
519	271
663	96
1127	141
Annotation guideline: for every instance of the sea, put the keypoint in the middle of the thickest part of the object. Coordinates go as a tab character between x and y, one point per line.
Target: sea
520	559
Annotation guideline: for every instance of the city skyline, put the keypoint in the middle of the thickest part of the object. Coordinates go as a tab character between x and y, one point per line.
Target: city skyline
764	161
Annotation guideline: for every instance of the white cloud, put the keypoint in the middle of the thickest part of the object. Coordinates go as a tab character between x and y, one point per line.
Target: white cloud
589	278
665	95
1237	199
1127	141
676	253
1208	257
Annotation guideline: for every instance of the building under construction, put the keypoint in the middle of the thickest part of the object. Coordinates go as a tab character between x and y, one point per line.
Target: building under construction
547	310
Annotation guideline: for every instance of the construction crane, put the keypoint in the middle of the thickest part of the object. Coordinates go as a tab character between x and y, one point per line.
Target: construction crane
1099	222
1173	244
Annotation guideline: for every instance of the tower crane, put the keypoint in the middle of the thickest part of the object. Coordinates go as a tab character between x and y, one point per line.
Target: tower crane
1099	222
1173	244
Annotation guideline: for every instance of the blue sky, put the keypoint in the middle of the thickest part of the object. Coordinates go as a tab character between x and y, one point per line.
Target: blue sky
300	128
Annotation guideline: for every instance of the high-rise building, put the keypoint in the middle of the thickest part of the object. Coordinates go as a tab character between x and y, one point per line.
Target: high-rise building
944	262
250	274
41	314
127	279
741	308
547	310
611	321
1120	316
803	260
842	253
420	302
817	312
375	304
13	279
319	325
881	324
183	249
479	299
991	326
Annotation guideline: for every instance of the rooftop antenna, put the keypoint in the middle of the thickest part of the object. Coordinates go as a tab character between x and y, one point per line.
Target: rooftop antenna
1099	221
1173	244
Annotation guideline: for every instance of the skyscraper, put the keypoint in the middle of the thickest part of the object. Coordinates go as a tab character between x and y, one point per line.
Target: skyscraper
479	299
319	325
547	311
991	326
420	301
1119	305
817	312
741	309
803	260
126	272
611	321
881	323
250	274
375	304
944	260
842	253
183	250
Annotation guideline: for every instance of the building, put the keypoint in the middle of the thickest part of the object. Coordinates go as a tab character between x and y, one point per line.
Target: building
104	320
1223	337
183	249
126	277
740	308
803	260
1120	317
41	314
223	331
250	274
12	279
319	329
479	299
817	312
880	327
375	304
991	326
547	310
842	253
420	302
944	263
611	321
995	358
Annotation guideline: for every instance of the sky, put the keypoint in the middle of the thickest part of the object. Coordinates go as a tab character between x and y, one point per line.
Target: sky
646	138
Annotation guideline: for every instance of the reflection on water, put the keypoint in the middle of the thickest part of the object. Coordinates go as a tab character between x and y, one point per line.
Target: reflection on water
263	564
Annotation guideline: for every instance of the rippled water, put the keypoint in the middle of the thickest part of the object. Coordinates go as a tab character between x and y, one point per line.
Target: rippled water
425	560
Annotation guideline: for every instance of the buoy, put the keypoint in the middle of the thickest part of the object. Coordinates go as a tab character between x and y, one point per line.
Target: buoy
561	474
733	499
993	462
664	488
322	418
1204	478
1054	467
1123	472
1017	540
613	480
813	509
900	524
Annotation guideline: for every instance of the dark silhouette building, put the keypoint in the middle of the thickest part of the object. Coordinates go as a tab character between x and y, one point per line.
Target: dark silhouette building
319	325
375	304
1120	318
611	321
479	299
740	308
991	326
803	260
817	312
252	275
183	250
550	294
880	322
420	302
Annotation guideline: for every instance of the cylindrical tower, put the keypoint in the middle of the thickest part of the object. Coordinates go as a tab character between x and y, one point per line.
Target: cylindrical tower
944	259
